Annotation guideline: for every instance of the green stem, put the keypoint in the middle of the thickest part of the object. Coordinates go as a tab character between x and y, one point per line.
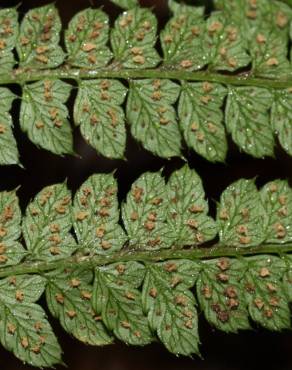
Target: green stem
199	253
22	76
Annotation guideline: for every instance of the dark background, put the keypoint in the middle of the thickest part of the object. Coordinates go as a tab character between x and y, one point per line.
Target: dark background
257	349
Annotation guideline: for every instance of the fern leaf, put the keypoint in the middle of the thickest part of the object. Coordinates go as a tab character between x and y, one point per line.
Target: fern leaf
242	49
250	15
86	39
117	298
96	216
47	223
11	251
178	47
152	116
43	115
227	49
277	197
145	274
187	217
171	305
39	35
281	118
151	279
265	295
133	39
9	152
145	213
269	53
241	215
24	328
247	119
68	296
101	117
221	294
9	34
201	119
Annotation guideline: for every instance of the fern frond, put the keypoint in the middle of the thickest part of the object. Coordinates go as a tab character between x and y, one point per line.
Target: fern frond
146	273
238	56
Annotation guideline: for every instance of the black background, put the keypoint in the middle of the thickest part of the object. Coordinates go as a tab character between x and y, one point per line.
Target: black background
257	349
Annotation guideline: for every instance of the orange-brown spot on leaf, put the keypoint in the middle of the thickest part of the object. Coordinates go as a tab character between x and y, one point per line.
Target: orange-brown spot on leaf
205	99
272	62
19	295
264	272
59	298
244	240
130	296
175	280
134	216
71	313
223	316
39	125
207	291
121	268
11	328
215	26
223	264
104	212
196	209
271	287
74	283
222	277
149	225
55	238
188	324
42	59
153	292
170	267
88	47
125	324
193	224
60	209
55	251
180	300
2	248
281	19
3	258
207	87
105	244
283	211
268	312
100	231
186	63
261	39
232	303
36	349
86	295
230	292
282	200
224	215
81	215
38	326
274	301
24	342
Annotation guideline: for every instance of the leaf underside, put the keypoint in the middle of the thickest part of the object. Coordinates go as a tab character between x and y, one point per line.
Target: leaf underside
127	297
248	39
138	301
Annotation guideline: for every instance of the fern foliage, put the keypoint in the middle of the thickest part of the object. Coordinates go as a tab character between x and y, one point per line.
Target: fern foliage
145	268
189	95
